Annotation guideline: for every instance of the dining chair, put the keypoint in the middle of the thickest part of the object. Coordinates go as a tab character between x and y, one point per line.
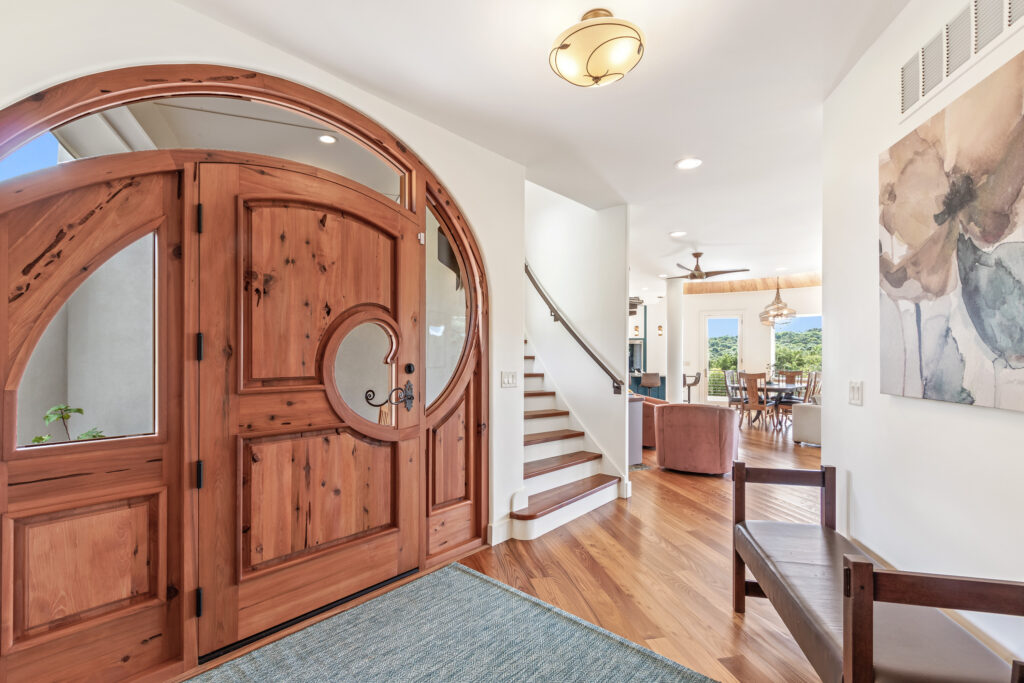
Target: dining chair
787	400
757	401
813	390
733	390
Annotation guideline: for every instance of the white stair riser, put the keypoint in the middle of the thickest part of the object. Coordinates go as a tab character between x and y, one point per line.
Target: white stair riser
533	383
553	448
529	529
547	424
561	477
539	402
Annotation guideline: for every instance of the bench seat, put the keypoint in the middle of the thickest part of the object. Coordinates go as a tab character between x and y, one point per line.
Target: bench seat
800	569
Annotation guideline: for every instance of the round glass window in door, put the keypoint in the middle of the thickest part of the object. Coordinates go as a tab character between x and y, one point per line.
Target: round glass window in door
364	372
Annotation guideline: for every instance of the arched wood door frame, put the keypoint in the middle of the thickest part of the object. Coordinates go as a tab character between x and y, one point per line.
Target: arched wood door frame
80	97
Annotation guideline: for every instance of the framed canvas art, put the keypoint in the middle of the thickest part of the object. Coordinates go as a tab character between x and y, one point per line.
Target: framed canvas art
951	250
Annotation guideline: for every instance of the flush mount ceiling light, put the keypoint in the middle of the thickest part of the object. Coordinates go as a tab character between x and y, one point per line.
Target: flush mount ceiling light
663	275
677	233
599	50
688	164
328	139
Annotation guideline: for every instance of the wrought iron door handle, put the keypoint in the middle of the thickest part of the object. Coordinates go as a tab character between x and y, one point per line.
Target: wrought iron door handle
396	396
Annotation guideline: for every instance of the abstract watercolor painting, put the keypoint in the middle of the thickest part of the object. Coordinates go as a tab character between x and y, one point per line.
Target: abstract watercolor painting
951	250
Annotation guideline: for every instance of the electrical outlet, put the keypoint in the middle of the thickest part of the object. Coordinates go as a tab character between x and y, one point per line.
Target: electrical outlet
857	393
509	380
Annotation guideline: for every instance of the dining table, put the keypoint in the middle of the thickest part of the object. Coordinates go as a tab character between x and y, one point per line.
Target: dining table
777	388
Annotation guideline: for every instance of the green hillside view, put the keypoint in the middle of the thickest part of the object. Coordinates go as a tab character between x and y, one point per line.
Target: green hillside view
793	351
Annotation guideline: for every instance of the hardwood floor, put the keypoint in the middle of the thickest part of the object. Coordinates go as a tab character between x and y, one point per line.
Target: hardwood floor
656	568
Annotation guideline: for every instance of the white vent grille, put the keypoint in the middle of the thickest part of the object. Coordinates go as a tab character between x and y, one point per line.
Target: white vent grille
931	64
958	41
910	83
988	22
1016	11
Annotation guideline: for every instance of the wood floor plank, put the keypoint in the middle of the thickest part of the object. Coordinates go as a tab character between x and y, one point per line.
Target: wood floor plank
656	568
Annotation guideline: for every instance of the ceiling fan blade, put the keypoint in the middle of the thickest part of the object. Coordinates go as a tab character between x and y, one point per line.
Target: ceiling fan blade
688	276
713	273
689	270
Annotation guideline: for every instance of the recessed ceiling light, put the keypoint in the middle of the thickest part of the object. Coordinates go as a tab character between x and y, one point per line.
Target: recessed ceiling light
677	233
688	164
781	268
663	275
328	139
644	288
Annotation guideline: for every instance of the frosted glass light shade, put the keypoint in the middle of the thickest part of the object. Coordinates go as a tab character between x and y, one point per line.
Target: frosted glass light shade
599	50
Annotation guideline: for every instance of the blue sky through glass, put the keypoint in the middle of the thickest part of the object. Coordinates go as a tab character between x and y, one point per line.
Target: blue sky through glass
723	327
802	323
32	156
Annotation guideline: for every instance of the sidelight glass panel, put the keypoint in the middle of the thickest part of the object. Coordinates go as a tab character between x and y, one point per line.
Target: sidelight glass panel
362	374
92	373
446	308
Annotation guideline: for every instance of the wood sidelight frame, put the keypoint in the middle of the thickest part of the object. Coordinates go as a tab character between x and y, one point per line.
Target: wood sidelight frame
448	528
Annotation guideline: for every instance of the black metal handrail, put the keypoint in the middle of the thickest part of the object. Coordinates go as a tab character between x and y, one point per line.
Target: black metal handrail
560	318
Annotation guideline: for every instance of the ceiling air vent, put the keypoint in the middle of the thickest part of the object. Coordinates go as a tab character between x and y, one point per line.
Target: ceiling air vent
988	22
958	41
1016	11
931	64
910	83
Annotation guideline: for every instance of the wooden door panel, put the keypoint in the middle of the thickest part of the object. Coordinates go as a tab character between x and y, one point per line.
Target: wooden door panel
450	459
304	265
302	508
79	563
310	492
89	581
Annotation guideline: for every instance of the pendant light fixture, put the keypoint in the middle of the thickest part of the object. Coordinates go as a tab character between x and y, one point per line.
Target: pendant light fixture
599	50
777	312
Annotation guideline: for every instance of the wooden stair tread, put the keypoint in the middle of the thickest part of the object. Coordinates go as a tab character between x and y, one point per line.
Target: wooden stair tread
533	374
535	394
547	437
529	357
546	502
559	462
538	414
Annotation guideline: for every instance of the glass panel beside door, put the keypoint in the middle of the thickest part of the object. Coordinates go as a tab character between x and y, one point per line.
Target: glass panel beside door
721	351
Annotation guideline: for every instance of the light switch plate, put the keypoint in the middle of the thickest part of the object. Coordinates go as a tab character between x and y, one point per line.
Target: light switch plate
857	393
509	380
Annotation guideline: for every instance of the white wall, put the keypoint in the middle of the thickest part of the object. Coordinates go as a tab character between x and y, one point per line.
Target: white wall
57	40
930	486
755	338
580	257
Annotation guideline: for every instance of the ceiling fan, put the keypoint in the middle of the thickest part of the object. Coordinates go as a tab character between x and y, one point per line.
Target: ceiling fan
696	273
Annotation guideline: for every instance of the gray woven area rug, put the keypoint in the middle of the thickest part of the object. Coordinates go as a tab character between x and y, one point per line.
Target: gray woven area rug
453	625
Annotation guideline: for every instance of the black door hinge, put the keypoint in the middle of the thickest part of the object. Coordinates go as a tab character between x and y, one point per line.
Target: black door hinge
199	474
199	602
199	346
199	218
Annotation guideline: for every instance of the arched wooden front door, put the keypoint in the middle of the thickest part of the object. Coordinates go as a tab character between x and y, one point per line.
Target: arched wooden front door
254	482
305	498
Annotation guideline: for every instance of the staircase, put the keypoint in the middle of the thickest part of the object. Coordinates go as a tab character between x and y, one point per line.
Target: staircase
564	474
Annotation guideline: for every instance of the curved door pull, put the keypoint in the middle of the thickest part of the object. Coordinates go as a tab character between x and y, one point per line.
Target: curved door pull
396	396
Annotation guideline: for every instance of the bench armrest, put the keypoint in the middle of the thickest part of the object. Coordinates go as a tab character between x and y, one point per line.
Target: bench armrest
825	478
864	584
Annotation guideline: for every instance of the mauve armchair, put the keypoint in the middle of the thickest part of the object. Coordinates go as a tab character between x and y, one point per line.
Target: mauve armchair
697	438
650	403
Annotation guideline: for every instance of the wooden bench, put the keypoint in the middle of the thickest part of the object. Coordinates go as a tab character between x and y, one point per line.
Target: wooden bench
854	620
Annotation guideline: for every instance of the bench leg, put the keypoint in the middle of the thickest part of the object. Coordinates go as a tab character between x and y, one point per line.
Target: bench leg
739	584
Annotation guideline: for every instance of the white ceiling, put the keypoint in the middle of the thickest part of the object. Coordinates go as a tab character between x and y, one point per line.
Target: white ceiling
738	83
